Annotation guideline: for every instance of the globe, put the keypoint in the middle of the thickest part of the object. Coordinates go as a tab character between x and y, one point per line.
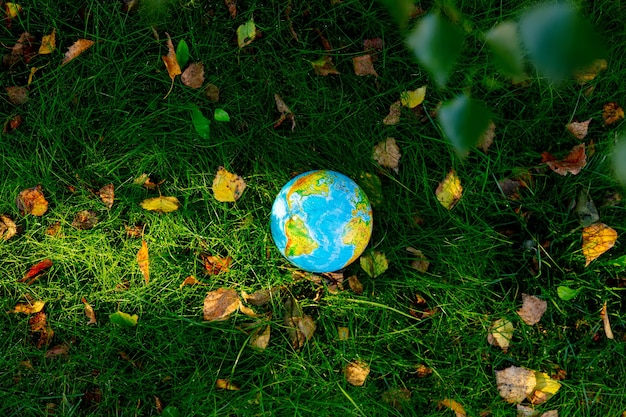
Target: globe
321	221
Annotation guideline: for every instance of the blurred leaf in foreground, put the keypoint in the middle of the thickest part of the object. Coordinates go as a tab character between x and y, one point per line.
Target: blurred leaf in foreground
619	160
505	45
464	121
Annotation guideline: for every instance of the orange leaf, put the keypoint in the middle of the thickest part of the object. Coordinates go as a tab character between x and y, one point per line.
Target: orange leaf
8	228
356	372
453	405
143	261
32	201
191	280
171	64
612	113
226	384
76	49
572	163
28	307
36	270
91	315
216	264
597	239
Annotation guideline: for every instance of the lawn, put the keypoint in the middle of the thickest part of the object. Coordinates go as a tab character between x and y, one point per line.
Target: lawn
107	116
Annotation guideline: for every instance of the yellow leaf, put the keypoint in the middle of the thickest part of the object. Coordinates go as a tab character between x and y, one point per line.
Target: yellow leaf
226	384
32	201
143	261
76	49
246	33
500	334
597	239
412	99
356	373
12	10
161	204
28	308
33	70
453	405
449	190
191	280
544	389
8	228
584	75
48	43
227	187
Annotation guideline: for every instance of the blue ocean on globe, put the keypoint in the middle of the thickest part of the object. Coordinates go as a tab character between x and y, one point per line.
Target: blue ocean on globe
321	221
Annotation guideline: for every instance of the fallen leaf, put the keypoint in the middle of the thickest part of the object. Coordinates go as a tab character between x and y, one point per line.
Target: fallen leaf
191	280
32	201
421	263
171	64
285	113
28	307
161	204
58	350
586	210
486	140
515	383
17	95
398	398
584	75
8	228
41	332
324	66
387	154
500	334
107	195
544	389
261	297
220	304
363	66
343	333
355	285
76	49
35	271
453	405
48	43
612	113
11	124
356	372
91	315
532	309
182	53
578	129
300	327
393	118
372	186
260	338
374	263
450	190
33	70
221	115
212	92
215	264
143	261
232	7
246	33
201	124
124	319
134	231
12	10
193	76
605	323
373	47
414	98
85	220
227	187
422	371
226	385
551	413
572	163
597	239
54	229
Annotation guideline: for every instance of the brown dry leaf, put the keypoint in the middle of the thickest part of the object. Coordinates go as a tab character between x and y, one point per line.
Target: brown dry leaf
232	7
356	372
171	64
76	49
32	201
572	163
91	315
41	332
11	124
450	190
578	129
212	93
161	204
227	186
532	309
35	271
398	398
584	75
355	285
612	113
363	65
48	43
144	261
85	220
107	195
54	229
500	334
487	138
421	263
58	350
260	338
343	333
30	307
300	327
515	383
597	239
226	385
134	231
193	76
373	47
220	304
393	118
17	95
191	280
605	323
324	66
261	297
215	264
453	405
8	228
285	113
387	154
422	371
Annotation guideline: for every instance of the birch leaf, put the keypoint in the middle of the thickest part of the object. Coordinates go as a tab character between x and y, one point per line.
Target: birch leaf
227	186
450	190
597	239
48	43
76	49
161	204
143	261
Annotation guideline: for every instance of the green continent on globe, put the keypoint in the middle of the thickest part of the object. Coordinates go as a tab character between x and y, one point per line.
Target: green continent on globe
298	240
358	230
316	183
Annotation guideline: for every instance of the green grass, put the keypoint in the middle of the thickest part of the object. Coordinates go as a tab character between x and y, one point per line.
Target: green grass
102	119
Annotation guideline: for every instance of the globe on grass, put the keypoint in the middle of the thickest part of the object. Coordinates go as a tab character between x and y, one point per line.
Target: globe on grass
321	221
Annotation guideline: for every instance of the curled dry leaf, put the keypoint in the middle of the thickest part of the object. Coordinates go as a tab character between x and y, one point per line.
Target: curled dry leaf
17	95
28	307
285	113
227	187
143	261
532	309
453	405
515	383
393	118
363	66
500	334
605	323
41	332
387	154
324	66
89	312
85	220
261	297
450	190
35	271
171	63
161	204
578	129
48	43
193	76
76	49
225	384
32	201
597	239
612	113
107	195
356	372
572	163
220	304
8	228
215	264
413	98
355	285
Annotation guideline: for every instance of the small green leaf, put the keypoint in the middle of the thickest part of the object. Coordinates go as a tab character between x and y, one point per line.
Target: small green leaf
374	263
246	33
436	43
566	293
621	261
124	319
221	116
182	53
170	411
200	123
505	46
464	121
